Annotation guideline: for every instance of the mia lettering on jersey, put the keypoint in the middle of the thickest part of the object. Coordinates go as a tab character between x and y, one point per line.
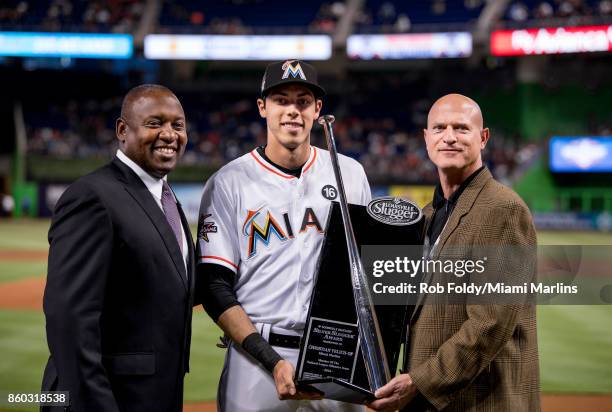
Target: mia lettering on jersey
261	226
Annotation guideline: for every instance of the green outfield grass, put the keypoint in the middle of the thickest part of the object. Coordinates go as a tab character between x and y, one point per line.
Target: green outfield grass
22	342
10	271
24	234
575	342
206	359
574	238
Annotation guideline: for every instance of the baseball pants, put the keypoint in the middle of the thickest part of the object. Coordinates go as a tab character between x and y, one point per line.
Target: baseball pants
245	386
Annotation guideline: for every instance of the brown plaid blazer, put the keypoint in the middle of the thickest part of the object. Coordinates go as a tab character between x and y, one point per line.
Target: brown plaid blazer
477	357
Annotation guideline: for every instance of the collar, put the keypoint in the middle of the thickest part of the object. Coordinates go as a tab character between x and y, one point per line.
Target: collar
272	168
294	172
154	185
439	200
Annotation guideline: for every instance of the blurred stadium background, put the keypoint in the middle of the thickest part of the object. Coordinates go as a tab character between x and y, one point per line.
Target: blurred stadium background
540	70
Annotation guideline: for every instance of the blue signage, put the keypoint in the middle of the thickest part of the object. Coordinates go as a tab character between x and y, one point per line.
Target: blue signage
581	154
74	45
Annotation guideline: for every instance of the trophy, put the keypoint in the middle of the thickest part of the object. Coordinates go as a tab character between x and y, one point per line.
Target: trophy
350	347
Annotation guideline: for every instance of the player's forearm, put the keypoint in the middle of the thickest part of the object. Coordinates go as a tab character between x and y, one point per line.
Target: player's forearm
236	324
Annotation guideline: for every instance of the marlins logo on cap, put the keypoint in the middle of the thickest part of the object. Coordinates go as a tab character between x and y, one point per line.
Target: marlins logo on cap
293	67
291	72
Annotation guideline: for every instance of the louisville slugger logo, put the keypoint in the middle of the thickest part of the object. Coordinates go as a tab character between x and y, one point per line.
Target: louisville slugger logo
292	67
268	228
394	211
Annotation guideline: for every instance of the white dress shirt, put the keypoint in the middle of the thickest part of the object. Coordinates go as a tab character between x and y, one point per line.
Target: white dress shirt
155	187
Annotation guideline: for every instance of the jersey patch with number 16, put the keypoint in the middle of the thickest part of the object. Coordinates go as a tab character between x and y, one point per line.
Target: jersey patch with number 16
329	192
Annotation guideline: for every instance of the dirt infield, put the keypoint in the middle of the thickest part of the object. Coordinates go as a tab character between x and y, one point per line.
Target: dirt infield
27	294
22	294
8	255
208	406
576	403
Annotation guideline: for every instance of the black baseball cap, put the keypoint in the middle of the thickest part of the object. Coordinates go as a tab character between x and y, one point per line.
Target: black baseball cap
291	72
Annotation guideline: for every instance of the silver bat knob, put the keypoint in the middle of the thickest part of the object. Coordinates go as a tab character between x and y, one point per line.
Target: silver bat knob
328	118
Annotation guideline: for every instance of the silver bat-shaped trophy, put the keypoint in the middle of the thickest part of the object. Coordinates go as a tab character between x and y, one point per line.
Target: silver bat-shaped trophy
371	343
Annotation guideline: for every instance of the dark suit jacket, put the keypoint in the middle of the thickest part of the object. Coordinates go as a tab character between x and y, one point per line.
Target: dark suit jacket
478	357
118	300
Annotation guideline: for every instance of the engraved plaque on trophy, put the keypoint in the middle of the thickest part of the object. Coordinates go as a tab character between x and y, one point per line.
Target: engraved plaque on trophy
331	351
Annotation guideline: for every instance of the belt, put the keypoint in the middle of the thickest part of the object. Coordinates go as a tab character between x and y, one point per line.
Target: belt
284	341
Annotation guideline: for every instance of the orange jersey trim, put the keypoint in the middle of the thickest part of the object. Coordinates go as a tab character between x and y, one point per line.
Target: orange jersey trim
286	176
314	157
221	259
270	169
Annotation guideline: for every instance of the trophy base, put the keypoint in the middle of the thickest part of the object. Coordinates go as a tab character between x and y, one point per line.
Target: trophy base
337	389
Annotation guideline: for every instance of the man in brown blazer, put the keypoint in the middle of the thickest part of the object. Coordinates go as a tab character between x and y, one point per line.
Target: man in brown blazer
467	357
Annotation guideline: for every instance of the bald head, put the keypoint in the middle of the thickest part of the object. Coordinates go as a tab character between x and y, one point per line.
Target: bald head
138	92
456	103
455	137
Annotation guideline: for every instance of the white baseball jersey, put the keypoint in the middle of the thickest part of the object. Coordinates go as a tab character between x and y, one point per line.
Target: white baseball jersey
268	227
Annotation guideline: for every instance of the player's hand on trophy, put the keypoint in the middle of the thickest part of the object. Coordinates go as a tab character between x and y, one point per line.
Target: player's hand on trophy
396	394
285	386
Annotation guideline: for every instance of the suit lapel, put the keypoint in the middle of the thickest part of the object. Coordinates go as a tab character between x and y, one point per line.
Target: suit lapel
464	204
137	189
428	211
190	246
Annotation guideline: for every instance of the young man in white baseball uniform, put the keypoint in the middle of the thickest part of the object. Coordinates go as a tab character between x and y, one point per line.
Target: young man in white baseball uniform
261	228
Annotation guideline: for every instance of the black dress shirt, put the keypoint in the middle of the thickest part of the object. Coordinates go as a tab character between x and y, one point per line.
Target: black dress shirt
443	207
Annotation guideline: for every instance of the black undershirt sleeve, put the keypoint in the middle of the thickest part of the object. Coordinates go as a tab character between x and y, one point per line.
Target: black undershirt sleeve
214	289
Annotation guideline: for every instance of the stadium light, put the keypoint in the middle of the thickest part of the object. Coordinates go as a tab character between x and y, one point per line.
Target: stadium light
237	47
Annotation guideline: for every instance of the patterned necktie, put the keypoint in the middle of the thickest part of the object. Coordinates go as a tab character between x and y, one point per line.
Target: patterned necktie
172	214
